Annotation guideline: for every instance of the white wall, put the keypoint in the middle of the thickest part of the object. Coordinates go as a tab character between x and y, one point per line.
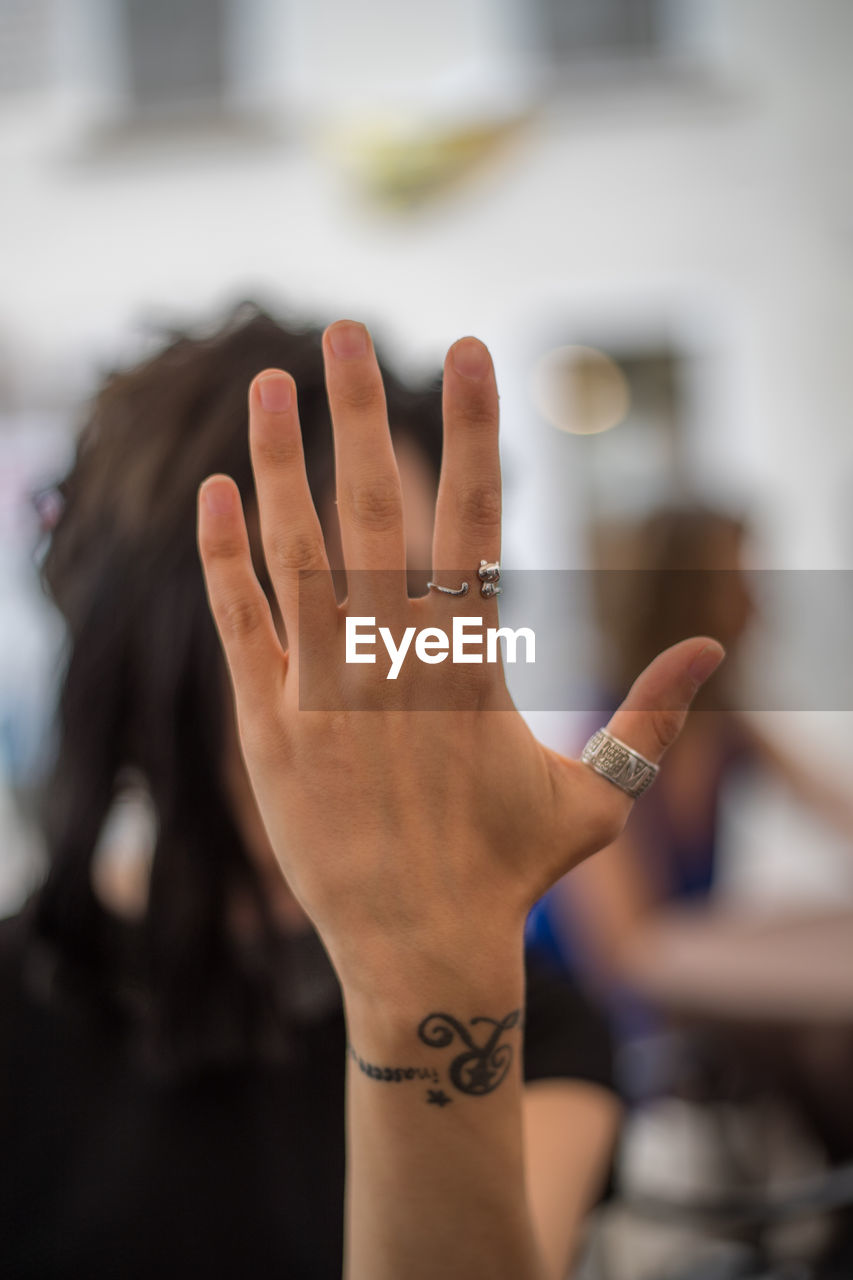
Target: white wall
729	202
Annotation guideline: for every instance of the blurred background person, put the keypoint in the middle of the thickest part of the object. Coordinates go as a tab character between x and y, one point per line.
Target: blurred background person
686	574
625	922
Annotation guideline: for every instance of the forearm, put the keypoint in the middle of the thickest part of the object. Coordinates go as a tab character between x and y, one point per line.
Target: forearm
435	1163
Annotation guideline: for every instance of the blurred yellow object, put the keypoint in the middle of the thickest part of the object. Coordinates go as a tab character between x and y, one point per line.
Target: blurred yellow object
402	162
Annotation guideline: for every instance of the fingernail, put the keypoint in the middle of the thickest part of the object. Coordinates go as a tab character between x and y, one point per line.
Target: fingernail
470	358
705	663
217	497
348	339
275	392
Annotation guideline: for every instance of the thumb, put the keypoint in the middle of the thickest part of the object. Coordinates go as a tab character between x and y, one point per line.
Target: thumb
654	712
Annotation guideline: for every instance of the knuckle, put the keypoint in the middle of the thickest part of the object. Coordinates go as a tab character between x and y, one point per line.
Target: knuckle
480	505
278	450
294	551
478	412
241	618
377	506
358	395
665	725
222	549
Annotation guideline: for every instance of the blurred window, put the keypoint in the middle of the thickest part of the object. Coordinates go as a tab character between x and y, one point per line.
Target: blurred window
643	458
578	28
175	56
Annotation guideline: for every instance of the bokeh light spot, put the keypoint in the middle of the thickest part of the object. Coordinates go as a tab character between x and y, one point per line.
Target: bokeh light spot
580	390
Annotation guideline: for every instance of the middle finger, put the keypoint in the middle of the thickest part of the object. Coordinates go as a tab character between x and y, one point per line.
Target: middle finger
370	504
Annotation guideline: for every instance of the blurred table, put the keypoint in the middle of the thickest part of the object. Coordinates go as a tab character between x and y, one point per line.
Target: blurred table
734	964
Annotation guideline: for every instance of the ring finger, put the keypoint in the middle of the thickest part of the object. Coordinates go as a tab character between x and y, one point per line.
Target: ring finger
468	509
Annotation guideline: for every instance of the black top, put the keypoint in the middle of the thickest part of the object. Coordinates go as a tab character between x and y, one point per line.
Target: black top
109	1169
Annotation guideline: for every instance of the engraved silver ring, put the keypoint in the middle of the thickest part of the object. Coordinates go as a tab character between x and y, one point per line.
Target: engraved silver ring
619	763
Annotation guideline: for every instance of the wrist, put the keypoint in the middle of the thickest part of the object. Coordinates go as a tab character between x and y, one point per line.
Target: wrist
453	1046
460	1017
390	979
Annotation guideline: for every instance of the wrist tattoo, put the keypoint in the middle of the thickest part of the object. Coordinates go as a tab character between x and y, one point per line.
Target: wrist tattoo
392	1074
482	1065
480	1068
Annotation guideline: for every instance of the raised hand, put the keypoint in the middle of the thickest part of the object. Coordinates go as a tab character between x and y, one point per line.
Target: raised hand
404	833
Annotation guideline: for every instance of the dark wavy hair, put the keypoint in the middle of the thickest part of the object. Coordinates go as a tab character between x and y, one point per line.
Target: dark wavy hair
144	679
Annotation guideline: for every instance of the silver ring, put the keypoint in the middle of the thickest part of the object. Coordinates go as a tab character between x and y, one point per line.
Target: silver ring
619	763
489	574
449	591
